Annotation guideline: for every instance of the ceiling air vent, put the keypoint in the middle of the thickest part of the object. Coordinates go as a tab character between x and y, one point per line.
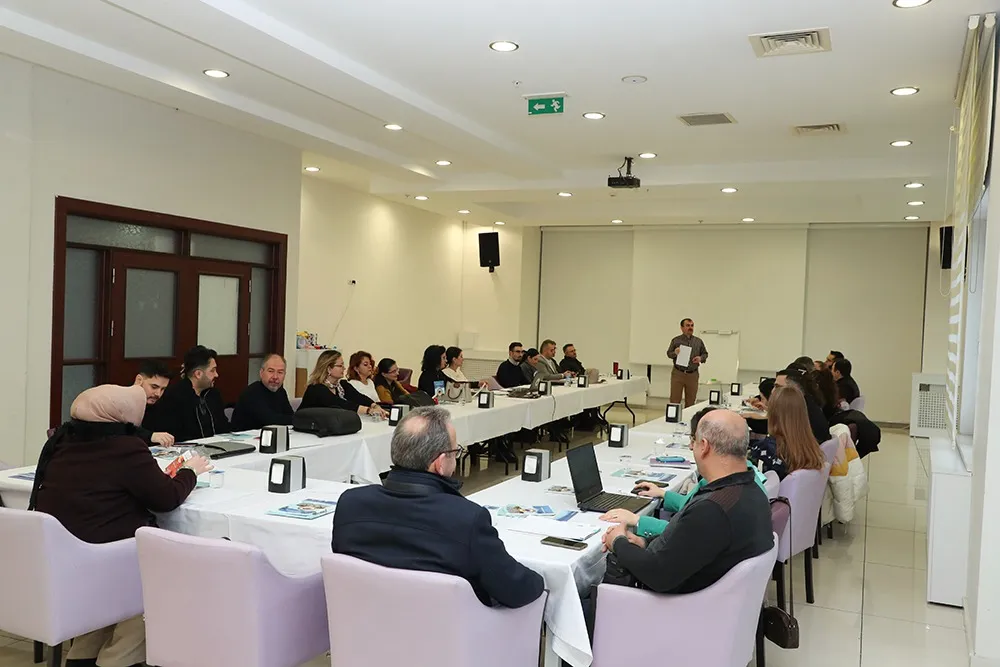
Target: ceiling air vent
817	130
700	119
791	43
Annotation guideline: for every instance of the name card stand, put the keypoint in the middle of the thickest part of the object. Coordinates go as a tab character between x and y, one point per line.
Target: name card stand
673	413
543	388
618	435
537	465
714	397
288	473
582	381
397	412
274	440
485	399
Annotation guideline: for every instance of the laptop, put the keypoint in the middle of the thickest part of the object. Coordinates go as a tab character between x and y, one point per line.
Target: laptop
590	494
530	391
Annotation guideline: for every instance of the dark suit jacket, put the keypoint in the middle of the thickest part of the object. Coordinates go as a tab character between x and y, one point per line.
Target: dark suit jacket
186	415
431	529
258	407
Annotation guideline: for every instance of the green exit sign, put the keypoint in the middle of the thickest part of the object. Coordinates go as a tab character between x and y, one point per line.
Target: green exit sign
541	106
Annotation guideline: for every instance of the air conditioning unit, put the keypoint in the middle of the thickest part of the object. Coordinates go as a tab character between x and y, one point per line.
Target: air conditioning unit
928	406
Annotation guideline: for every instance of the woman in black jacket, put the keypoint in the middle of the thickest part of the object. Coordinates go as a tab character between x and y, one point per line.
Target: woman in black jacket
328	388
432	369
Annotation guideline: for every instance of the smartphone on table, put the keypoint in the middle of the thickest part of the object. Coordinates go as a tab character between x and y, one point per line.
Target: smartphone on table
564	543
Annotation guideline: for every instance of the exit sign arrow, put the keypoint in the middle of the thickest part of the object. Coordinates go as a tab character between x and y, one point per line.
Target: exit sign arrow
541	106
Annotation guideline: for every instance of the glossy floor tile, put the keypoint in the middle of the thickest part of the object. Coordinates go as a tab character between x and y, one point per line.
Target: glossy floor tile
870	580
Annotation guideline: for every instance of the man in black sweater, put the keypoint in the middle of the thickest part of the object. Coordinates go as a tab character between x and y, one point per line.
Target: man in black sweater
191	408
264	403
726	522
510	374
570	362
846	386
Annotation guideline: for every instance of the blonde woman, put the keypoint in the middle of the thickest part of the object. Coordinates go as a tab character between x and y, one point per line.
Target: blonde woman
790	444
328	388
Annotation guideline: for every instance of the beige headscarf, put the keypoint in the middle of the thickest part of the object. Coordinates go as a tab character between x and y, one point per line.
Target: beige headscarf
110	403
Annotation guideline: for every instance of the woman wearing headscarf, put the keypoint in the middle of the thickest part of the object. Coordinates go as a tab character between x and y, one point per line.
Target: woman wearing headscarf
99	479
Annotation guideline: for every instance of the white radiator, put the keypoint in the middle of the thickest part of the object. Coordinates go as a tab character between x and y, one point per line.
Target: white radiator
929	406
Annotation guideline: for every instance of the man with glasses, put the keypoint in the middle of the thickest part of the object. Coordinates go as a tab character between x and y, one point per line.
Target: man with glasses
418	520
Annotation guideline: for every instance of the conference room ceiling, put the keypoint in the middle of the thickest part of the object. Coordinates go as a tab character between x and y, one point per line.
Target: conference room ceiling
328	76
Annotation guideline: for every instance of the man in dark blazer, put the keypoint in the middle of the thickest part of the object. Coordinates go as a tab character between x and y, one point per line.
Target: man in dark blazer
418	520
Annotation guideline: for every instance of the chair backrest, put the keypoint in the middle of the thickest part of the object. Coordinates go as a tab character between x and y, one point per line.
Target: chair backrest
858	404
804	490
232	588
714	627
296	402
771	484
405	375
779	517
436	619
830	449
229	413
53	586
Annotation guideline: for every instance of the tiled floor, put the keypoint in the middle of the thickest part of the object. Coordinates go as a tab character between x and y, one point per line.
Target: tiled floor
870	579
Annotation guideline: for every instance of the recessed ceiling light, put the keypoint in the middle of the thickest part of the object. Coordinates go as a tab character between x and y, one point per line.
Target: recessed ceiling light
593	115
907	4
503	46
902	143
747	219
565	194
914	185
729	191
912	217
616	222
464	211
499	222
443	163
634	79
421	197
647	156
312	169
216	73
914	203
393	127
905	91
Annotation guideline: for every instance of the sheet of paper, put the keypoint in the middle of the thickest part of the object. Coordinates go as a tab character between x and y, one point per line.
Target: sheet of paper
684	356
536	525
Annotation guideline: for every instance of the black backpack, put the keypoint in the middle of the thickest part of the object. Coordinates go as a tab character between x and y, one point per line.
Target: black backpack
326	421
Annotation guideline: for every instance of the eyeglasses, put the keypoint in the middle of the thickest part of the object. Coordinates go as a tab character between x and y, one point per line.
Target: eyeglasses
458	451
340	365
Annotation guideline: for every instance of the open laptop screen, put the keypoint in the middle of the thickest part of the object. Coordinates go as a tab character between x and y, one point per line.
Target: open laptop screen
584	472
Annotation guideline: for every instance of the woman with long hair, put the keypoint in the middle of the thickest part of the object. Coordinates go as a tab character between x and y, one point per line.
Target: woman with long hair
790	444
828	389
387	382
359	374
432	368
328	388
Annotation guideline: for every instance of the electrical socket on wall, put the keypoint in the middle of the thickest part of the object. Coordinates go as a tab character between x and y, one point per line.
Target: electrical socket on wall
352	282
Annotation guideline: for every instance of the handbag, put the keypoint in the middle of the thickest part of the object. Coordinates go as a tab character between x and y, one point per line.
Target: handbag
326	421
781	626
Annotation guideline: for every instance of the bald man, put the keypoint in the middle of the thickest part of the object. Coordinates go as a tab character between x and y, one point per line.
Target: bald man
727	521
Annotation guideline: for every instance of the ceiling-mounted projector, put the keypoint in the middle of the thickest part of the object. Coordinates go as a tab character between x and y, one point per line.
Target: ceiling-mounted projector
626	181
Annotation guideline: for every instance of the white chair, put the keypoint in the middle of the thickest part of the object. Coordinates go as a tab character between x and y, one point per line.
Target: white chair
858	404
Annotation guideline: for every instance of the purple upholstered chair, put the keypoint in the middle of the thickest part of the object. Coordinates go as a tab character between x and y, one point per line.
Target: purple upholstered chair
804	490
436	619
858	404
249	614
295	403
771	484
56	587
715	627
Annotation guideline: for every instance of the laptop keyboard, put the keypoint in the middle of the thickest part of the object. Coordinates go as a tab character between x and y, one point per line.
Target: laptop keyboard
609	501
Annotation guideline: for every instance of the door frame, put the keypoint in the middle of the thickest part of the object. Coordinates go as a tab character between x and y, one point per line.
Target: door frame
185	226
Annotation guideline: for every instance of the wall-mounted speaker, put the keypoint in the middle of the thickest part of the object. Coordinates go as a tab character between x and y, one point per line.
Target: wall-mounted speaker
489	250
947	234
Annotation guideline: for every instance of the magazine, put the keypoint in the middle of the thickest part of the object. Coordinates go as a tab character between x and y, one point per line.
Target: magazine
632	473
310	508
561	490
521	511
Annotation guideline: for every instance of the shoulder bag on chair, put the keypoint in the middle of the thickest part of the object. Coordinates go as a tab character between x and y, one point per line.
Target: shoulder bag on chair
780	626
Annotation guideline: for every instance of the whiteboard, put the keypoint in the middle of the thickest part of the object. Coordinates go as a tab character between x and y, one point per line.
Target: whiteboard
723	356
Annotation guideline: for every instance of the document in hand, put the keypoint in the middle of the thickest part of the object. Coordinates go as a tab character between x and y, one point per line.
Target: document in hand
684	356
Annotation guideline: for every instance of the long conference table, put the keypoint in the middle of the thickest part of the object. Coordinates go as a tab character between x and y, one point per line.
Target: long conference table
240	509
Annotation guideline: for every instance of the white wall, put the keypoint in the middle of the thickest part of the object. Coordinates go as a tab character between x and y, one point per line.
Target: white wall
865	297
419	279
935	352
63	136
868	302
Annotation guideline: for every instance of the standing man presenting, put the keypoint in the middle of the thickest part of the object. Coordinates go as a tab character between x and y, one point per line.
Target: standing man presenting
688	354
